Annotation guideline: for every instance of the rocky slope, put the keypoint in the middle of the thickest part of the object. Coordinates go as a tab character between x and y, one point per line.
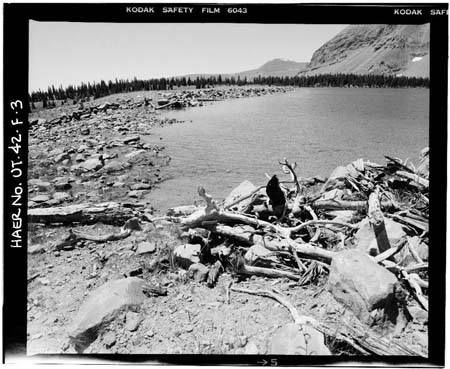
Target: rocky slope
377	49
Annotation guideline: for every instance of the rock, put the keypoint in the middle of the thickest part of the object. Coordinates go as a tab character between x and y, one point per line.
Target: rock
102	306
141	186
244	189
62	184
109	339
61	157
79	158
133	154
130	139
133	224
290	340
334	194
345	216
145	247
40	198
251	349
359	283
187	254
132	321
92	164
82	148
336	178
136	194
113	166
61	196
36	249
257	251
41	185
365	237
198	272
85	130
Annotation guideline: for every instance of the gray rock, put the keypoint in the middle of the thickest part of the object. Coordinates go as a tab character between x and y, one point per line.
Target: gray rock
85	130
130	139
257	251
40	198
102	306
251	349
133	224
82	148
141	186
62	184
61	157
359	283
133	154
132	321
91	164
198	272
365	237
79	158
137	194
187	254
113	166
36	249
109	339
145	247
290	340
61	196
245	188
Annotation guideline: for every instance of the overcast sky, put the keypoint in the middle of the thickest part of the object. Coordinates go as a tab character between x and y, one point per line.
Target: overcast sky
63	53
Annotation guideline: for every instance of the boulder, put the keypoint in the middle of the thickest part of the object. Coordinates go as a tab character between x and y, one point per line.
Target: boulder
109	339
40	198
113	166
251	349
244	189
102	306
79	158
92	164
257	251
365	237
61	196
187	254
291	340
145	248
36	249
132	321
62	184
359	283
133	154
61	157
133	224
198	272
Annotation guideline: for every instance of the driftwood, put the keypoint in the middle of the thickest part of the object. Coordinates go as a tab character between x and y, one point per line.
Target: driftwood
108	213
376	218
213	274
415	178
267	272
75	236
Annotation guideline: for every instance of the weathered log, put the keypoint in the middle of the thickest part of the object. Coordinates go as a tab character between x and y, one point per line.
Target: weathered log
75	236
108	213
348	205
376	218
267	272
415	178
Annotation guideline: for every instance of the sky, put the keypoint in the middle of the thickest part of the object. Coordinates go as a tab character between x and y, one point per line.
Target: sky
64	53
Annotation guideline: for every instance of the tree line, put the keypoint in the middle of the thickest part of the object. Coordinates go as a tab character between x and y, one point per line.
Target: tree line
99	89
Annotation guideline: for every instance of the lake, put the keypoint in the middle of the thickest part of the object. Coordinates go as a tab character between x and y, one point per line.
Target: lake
225	142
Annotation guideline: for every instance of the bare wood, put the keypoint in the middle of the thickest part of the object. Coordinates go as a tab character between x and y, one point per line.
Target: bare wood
267	272
413	252
298	319
414	177
417	291
376	218
348	205
390	252
108	213
213	274
182	210
104	238
314	216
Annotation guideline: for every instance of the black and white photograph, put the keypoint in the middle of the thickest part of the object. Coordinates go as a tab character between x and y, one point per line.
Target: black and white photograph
225	183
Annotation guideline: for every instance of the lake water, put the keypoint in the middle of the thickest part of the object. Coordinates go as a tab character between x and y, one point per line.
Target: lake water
225	142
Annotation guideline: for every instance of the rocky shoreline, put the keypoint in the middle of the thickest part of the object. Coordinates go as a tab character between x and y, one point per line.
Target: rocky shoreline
106	275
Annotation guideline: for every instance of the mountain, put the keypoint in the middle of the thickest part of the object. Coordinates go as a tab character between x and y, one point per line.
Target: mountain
376	49
274	68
